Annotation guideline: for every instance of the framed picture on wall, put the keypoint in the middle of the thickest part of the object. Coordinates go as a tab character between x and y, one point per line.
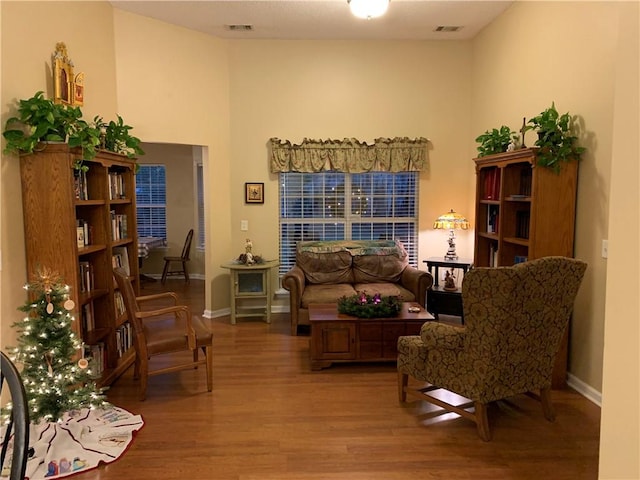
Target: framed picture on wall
254	192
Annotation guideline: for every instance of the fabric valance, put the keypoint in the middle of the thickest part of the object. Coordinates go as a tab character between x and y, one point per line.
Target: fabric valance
349	155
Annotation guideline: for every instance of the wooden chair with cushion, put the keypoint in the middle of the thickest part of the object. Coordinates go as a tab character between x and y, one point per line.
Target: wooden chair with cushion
18	425
183	259
515	318
165	330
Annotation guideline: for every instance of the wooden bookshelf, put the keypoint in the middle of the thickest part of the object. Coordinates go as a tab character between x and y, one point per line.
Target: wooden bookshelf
68	224
535	209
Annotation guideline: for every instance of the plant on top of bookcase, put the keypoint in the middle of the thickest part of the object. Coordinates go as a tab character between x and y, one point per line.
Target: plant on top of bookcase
41	120
115	137
556	138
495	141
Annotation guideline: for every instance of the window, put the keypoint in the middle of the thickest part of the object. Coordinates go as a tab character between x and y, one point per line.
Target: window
338	206
151	201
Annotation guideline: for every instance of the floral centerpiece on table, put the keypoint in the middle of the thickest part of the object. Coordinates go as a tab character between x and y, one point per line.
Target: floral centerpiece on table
367	306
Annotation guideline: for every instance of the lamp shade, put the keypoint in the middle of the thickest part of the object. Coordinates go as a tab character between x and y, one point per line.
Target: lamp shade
451	221
368	8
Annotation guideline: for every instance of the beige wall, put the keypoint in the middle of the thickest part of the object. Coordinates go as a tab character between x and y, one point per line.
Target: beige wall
332	90
620	432
30	31
182	208
173	86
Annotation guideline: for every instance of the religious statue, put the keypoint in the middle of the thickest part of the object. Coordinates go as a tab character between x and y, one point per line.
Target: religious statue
450	281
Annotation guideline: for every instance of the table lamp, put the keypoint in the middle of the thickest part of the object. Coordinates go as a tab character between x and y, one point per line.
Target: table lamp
451	221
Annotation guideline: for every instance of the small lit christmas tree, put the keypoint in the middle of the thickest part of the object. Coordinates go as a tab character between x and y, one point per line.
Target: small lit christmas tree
55	383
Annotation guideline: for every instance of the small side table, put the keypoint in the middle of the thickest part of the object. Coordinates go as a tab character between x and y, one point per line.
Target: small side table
440	300
250	289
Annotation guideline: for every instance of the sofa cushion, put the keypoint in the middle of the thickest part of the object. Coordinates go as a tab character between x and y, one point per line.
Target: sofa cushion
325	293
379	268
325	268
387	289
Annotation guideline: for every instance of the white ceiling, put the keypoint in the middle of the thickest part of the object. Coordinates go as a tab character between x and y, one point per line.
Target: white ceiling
322	19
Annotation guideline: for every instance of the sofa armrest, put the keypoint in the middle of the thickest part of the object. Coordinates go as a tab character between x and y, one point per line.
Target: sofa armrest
437	335
294	281
418	282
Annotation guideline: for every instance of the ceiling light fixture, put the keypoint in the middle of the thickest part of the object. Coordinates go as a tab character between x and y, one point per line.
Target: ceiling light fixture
368	8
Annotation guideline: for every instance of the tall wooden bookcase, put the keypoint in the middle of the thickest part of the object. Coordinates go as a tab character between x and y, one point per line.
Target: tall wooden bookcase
523	212
81	225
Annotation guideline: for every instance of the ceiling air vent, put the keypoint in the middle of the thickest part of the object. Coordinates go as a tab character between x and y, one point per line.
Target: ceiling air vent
447	28
239	28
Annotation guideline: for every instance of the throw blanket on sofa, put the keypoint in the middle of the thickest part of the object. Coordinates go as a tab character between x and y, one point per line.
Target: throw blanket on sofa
355	247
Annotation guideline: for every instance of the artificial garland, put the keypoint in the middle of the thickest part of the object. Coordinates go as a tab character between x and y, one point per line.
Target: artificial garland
362	305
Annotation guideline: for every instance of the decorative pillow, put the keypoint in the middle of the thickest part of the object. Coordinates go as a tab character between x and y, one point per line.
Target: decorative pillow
386	265
325	268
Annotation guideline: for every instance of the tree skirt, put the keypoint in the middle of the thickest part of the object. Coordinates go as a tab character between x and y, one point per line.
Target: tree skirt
80	441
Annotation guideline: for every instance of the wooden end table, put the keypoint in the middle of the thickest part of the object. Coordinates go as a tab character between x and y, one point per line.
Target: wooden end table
440	300
336	337
250	289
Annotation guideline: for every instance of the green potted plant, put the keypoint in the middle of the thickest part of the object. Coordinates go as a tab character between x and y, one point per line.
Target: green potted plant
495	141
41	120
115	137
556	138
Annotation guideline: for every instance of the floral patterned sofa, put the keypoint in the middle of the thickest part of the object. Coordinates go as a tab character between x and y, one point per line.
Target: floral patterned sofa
330	269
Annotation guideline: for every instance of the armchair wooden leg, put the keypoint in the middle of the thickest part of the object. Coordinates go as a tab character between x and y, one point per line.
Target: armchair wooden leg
208	351
547	406
403	381
482	421
186	271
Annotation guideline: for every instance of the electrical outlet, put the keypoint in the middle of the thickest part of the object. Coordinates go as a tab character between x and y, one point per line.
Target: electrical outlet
605	248
244	225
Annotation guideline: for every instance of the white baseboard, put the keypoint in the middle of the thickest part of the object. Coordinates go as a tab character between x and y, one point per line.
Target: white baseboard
158	276
217	313
585	390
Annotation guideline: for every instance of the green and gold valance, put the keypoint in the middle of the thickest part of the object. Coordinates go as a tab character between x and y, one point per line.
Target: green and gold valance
349	155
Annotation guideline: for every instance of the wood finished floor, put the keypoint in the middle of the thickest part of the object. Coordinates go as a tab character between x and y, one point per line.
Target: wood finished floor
270	418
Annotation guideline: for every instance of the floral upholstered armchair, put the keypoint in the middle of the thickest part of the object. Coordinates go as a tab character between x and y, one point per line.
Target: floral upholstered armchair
515	318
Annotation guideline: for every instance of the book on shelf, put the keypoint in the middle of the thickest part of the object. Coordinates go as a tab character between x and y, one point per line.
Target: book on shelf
120	258
80	237
119	303
492	219
80	187
118	225
525	182
116	186
83	233
88	319
86	276
96	356
493	255
124	339
492	184
522	224
519	259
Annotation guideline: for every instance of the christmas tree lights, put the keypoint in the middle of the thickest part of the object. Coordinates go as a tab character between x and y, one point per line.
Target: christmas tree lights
54	381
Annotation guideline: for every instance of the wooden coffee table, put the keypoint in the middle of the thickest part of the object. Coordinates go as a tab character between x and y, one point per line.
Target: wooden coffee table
336	337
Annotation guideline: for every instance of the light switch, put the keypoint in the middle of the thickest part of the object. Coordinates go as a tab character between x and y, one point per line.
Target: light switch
605	248
244	225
